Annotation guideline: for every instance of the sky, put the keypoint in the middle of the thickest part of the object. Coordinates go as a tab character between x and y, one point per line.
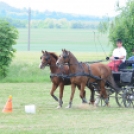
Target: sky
84	7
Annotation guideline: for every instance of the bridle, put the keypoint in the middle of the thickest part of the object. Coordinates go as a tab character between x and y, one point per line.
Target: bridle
65	56
47	58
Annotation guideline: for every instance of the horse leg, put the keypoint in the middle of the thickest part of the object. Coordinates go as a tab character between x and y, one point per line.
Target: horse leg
82	91
91	101
84	99
54	87
61	95
73	86
103	92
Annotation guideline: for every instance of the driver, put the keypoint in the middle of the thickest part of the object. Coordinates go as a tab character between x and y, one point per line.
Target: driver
118	56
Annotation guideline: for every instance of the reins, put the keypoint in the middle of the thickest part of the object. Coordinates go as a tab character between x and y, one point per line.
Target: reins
80	73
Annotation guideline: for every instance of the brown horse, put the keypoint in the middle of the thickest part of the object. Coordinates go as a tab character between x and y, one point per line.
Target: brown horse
50	58
96	75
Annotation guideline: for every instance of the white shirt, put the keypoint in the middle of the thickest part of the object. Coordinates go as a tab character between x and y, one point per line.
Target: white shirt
119	52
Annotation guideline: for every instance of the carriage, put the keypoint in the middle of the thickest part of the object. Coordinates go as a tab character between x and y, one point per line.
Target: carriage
124	79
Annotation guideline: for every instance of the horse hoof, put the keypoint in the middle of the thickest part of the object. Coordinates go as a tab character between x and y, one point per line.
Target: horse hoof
84	102
91	103
68	107
108	105
95	105
58	107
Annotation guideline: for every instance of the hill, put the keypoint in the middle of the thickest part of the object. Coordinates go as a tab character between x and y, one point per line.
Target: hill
16	13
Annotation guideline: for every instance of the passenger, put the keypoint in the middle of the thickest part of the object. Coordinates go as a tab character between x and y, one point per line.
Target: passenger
118	56
132	59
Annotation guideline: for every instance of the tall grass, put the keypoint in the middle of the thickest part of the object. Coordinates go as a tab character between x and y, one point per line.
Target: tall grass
25	67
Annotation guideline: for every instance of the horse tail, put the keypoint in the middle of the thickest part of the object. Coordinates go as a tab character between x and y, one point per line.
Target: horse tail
111	83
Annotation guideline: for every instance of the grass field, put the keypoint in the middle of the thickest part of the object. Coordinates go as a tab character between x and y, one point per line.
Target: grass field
30	85
49	120
56	39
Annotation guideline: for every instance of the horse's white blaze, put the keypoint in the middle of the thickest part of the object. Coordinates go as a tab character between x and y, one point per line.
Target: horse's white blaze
40	65
57	62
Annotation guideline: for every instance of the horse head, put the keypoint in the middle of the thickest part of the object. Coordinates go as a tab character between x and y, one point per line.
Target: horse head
45	59
63	58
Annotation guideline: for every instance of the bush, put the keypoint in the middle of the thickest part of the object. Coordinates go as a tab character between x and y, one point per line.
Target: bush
8	36
123	27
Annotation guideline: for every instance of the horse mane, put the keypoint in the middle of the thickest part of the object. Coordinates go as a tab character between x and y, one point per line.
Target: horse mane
73	56
54	55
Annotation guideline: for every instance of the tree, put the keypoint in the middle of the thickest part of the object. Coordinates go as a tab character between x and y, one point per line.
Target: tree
123	26
8	36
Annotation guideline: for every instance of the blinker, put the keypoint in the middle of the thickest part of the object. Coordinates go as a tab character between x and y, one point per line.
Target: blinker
47	58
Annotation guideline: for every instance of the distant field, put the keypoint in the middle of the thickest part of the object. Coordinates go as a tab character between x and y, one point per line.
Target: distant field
55	39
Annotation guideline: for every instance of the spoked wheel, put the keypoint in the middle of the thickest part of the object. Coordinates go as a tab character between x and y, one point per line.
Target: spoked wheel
128	98
119	98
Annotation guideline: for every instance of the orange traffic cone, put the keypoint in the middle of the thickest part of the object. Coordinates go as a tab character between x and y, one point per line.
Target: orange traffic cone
8	107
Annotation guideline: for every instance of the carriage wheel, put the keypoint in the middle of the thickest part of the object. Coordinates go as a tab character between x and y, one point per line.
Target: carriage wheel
119	98
128	98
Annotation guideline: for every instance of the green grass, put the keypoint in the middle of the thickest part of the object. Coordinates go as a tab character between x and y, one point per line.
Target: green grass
56	39
25	66
49	120
30	85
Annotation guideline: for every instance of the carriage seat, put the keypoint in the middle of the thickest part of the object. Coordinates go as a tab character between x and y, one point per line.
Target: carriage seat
122	66
124	75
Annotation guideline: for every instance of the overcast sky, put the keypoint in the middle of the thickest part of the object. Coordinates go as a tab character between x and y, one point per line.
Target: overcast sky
87	7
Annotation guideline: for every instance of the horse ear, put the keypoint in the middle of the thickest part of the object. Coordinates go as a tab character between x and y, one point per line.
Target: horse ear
42	51
46	52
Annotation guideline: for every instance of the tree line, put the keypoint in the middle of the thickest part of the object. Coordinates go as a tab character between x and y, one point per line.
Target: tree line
121	27
47	19
53	23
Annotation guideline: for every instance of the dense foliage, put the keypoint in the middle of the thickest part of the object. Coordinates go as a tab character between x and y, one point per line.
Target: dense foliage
53	23
123	27
8	35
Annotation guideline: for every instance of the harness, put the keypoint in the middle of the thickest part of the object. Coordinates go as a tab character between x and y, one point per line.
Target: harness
64	76
60	75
